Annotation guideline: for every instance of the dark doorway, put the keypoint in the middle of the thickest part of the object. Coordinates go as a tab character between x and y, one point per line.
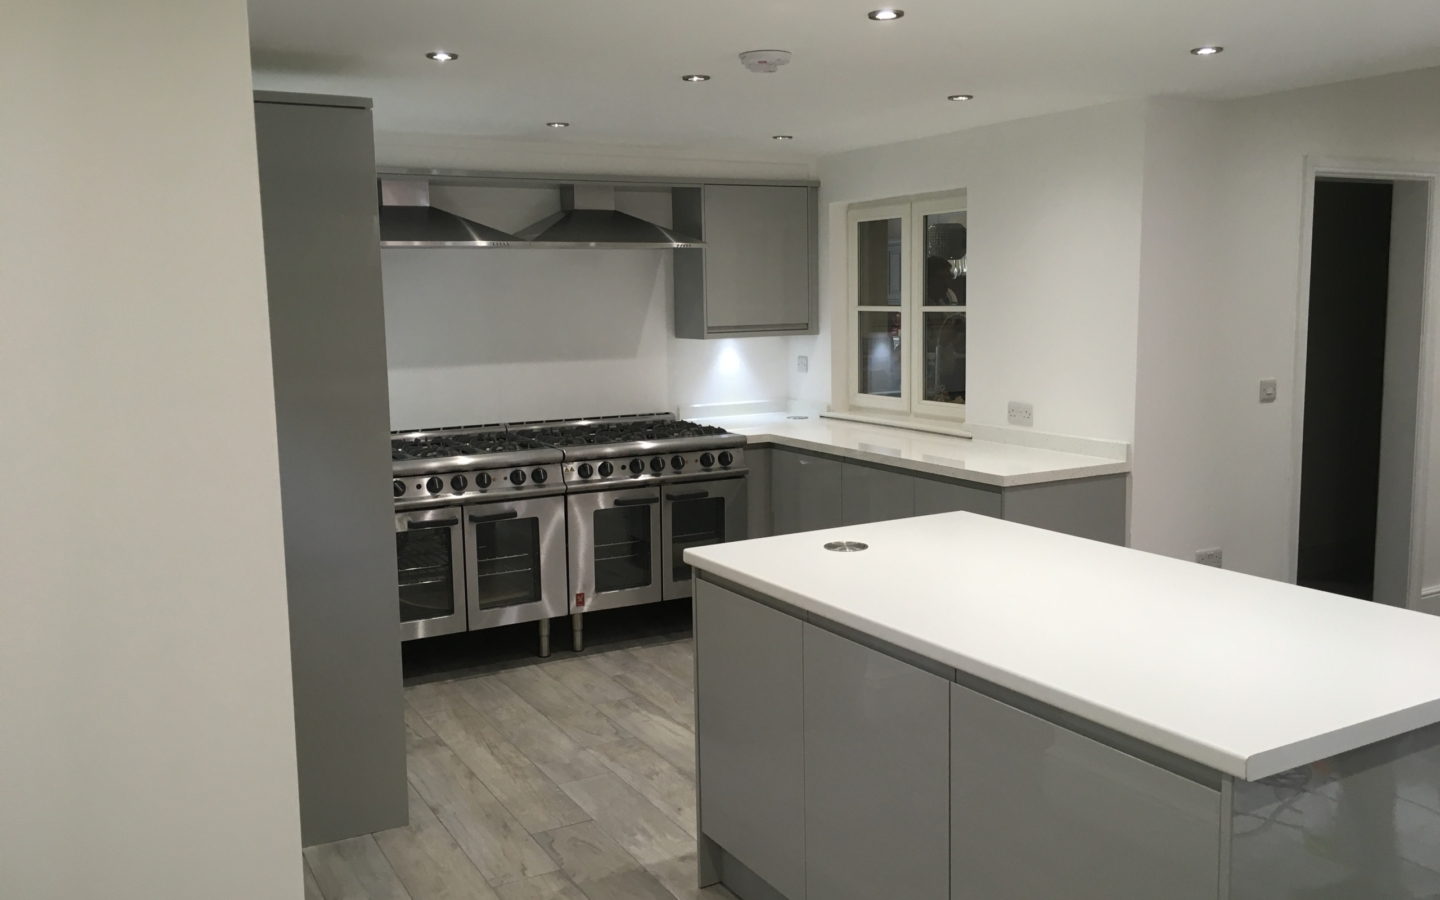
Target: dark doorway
1344	386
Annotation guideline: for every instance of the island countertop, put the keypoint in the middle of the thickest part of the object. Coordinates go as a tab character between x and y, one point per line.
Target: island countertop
948	456
1249	676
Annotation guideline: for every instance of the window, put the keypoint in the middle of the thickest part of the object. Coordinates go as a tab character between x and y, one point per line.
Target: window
907	307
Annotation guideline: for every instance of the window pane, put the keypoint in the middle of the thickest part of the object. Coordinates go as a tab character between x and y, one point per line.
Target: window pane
879	262
945	259
945	357
880	361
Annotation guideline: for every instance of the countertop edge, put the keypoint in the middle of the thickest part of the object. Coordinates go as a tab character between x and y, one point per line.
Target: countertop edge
1251	767
957	473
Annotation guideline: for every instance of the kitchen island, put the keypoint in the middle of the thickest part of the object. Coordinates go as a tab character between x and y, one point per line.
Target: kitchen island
972	708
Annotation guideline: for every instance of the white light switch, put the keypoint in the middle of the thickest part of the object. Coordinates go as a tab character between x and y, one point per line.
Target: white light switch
1269	389
802	363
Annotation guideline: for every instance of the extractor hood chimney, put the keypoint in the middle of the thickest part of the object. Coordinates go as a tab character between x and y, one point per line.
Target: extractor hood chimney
408	220
588	220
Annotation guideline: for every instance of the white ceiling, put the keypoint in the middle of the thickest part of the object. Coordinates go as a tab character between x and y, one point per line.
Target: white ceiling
612	67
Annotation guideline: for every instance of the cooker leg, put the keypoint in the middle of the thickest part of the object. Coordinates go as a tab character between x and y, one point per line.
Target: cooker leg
544	637
577	625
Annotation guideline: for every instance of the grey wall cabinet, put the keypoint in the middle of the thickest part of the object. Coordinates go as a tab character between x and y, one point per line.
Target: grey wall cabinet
332	418
1040	812
751	744
877	774
758	273
869	494
805	492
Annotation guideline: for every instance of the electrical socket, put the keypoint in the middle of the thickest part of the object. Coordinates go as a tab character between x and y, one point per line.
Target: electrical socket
1269	390
1210	557
1020	414
802	363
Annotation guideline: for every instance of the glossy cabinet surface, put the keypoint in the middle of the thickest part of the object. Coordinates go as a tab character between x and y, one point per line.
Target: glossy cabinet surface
869	494
758	273
877	774
805	492
749	727
932	497
1039	812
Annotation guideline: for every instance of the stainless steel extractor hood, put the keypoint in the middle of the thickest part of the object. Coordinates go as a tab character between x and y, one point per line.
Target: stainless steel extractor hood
408	220
588	220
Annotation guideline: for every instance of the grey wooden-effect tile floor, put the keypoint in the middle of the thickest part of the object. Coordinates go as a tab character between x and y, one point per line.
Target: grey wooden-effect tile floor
567	779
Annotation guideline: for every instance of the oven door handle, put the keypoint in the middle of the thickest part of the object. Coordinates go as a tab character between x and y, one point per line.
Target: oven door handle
693	495
433	523
495	517
638	501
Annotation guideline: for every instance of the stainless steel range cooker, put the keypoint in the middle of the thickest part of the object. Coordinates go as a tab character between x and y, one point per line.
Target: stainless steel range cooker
494	523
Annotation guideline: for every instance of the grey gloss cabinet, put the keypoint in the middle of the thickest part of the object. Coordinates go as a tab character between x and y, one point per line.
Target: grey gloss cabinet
877	774
758	273
869	494
1040	812
805	492
750	735
932	497
332	418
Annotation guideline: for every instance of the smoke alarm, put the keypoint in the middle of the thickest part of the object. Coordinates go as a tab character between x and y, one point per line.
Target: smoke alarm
765	60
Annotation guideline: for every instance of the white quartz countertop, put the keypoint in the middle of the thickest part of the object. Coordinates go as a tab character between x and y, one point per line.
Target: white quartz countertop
985	462
1249	676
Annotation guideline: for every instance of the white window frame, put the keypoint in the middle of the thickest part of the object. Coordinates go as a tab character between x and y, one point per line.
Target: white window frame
911	213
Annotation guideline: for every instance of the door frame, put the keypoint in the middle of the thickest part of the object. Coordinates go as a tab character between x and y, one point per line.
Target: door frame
1387	171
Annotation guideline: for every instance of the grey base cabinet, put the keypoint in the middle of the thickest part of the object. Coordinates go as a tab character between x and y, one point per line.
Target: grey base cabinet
1040	812
805	492
877	774
869	494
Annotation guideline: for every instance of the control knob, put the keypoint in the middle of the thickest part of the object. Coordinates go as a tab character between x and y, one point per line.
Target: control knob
517	477
606	470
658	464
539	476
585	470
483	480
434	485
459	483
677	462
707	459
399	487
726	458
637	466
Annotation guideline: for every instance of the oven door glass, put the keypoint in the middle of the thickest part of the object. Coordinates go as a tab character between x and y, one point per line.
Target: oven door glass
694	523
622	548
425	557
506	560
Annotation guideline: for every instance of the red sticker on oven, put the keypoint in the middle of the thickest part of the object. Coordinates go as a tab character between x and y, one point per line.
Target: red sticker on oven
580	599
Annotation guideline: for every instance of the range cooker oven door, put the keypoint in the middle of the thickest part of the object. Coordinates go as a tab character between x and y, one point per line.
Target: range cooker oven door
430	556
698	514
515	561
614	548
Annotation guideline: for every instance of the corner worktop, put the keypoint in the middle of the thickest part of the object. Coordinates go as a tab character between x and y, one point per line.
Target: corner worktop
963	459
1245	675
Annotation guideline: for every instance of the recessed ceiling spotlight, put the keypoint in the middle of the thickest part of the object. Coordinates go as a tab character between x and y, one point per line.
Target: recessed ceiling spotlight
1210	50
784	137
695	78
558	124
960	97
887	15
442	56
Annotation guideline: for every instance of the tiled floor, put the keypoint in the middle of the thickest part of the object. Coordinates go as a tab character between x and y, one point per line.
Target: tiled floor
570	779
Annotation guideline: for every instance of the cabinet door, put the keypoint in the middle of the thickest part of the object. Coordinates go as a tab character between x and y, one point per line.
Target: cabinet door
1088	507
875	495
877	774
757	258
1040	812
933	497
760	521
750	725
805	492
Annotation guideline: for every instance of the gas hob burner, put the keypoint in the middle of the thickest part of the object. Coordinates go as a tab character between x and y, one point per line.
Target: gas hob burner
623	432
444	446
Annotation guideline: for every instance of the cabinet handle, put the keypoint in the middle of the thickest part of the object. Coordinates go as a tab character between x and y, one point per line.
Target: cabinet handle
495	517
638	501
696	495
432	523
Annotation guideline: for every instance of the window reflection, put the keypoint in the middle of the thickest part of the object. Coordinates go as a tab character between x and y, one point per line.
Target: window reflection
880	356
945	263
879	262
945	357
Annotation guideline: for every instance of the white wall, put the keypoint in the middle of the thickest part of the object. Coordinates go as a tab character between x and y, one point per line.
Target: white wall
480	336
1054	260
147	741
